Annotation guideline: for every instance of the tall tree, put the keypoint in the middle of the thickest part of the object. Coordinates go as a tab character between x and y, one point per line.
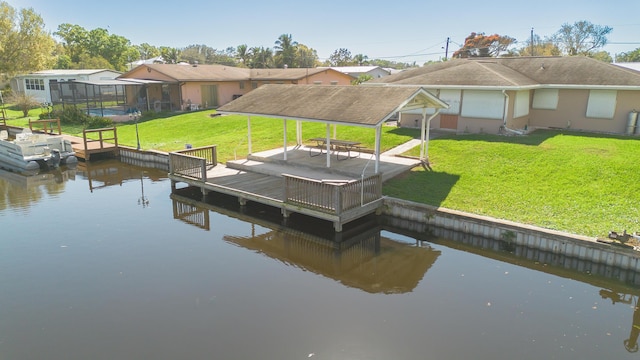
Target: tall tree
261	58
360	59
541	47
340	57
306	57
24	44
581	38
170	55
243	54
75	40
631	56
285	51
147	51
481	45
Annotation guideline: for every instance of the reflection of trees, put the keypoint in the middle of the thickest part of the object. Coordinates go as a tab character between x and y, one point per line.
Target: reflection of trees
19	191
631	343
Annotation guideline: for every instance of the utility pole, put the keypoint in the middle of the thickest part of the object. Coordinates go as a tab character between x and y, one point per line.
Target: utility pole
531	41
446	50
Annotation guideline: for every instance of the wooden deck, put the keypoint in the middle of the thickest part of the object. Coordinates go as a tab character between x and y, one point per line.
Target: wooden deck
345	191
95	141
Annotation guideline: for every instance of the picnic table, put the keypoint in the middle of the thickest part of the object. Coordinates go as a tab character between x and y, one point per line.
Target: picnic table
337	146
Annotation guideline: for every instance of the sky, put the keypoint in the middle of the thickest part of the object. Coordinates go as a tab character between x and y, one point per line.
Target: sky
402	30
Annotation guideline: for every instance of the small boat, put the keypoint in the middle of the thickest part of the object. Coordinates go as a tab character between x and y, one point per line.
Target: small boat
29	153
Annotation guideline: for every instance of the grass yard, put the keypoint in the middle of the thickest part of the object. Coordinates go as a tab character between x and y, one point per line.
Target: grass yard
579	183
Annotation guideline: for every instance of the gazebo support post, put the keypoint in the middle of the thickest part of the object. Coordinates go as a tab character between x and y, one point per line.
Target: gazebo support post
285	139
249	133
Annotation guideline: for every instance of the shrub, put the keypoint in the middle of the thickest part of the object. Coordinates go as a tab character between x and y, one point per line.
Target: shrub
74	116
24	102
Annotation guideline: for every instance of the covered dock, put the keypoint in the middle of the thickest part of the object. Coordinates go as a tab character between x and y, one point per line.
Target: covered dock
294	178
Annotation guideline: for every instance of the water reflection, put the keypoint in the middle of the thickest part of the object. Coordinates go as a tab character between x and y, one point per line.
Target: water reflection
631	343
357	257
19	191
190	279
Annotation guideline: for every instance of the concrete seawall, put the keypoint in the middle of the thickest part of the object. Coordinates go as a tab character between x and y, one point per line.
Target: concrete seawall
418	217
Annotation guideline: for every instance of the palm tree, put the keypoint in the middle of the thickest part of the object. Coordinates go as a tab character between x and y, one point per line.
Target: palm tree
242	53
285	50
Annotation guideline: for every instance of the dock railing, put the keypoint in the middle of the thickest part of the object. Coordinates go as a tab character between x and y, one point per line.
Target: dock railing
332	196
47	125
193	163
102	138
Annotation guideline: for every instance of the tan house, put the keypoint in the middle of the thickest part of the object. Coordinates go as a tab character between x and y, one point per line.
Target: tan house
186	87
517	94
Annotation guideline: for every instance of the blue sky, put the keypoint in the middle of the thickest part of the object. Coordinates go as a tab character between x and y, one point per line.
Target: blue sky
400	30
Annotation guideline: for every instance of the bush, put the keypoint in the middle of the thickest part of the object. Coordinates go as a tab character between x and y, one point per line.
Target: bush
74	116
24	102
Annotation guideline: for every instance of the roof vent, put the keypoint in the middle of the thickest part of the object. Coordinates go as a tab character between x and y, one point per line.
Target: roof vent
542	66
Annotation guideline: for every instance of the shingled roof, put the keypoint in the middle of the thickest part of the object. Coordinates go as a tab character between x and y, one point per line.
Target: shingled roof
517	72
354	105
185	72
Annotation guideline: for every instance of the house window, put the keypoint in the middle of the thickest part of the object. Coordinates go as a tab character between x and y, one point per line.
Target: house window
241	85
483	104
521	104
34	84
317	82
334	82
254	84
546	99
602	104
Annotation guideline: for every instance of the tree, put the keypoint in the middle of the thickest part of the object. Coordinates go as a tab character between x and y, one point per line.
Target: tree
361	78
602	56
306	57
75	40
360	59
147	51
340	57
581	38
24	44
170	55
286	50
541	47
243	54
24	102
261	58
480	45
631	56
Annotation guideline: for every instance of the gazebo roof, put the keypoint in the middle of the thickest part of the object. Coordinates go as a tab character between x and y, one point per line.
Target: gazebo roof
351	105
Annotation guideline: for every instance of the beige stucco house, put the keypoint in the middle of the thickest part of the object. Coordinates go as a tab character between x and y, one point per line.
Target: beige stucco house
493	94
185	87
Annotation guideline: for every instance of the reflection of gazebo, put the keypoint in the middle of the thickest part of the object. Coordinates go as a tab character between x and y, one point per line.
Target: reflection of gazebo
359	257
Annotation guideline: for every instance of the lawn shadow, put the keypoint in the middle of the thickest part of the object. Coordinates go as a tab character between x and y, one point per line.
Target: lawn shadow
427	187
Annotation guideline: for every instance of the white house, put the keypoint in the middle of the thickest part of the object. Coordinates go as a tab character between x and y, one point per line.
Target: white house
38	84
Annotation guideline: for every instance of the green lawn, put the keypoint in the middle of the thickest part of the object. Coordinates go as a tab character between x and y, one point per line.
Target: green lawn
576	182
579	183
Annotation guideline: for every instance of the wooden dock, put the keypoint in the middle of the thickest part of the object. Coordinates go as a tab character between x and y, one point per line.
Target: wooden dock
340	194
95	141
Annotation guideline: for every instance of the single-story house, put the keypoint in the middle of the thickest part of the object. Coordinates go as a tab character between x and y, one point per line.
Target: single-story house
522	93
375	72
185	87
40	83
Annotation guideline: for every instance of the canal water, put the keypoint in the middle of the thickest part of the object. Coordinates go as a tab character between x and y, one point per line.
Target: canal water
103	262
